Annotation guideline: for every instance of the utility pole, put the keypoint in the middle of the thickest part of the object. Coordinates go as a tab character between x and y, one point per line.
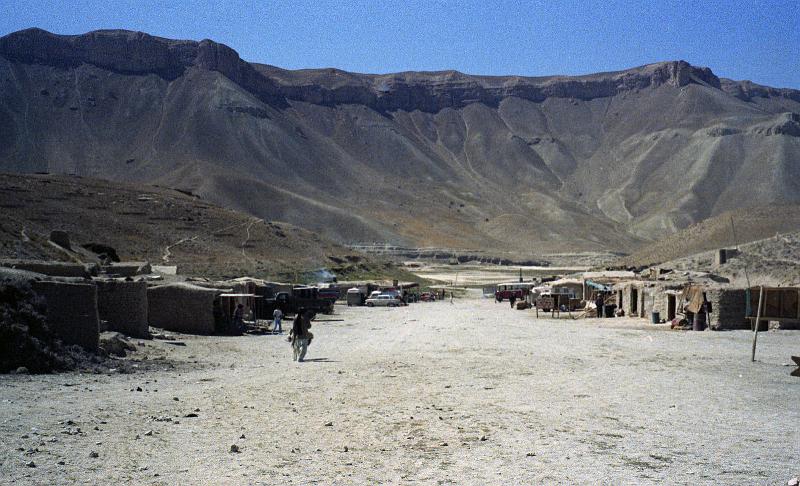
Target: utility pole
758	321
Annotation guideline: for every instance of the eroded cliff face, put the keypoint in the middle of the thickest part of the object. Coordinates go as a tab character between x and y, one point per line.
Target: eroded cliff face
435	91
601	161
128	52
136	53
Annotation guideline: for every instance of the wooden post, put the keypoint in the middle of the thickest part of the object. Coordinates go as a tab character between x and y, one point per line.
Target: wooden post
758	321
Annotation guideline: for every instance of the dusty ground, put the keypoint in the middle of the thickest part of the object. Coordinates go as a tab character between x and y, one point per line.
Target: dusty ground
439	393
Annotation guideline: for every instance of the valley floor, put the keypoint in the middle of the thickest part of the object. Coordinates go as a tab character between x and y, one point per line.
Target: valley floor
437	393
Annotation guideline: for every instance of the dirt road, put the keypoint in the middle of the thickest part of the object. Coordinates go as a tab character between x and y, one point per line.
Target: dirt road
436	393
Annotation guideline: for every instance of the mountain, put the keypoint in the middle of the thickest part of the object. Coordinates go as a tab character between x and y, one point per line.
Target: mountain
164	227
606	161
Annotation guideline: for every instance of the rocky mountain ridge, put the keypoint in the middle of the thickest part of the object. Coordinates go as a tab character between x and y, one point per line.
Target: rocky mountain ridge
128	52
604	161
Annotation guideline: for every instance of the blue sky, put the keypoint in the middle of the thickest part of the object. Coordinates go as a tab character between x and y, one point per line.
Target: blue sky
753	39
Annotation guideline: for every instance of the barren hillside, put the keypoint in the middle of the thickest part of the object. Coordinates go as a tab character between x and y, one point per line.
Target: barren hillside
598	162
773	261
162	226
718	232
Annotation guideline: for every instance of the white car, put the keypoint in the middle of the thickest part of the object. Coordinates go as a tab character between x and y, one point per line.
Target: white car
384	300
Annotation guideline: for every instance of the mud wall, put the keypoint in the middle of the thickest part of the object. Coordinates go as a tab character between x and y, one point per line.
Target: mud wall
123	305
71	310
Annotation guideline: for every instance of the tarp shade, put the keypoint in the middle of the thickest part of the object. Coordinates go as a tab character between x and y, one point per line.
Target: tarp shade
598	286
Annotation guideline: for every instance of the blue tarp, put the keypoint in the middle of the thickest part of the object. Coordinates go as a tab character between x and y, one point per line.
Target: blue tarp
598	286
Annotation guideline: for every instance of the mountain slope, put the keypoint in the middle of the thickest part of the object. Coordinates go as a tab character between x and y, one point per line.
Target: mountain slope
598	162
727	230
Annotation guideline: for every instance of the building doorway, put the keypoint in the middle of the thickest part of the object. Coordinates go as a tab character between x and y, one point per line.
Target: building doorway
670	307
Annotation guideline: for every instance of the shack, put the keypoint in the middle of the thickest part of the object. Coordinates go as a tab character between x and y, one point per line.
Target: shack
230	301
780	308
187	308
571	287
679	296
122	305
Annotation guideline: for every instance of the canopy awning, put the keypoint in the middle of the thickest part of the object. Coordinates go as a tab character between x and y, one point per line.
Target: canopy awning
598	286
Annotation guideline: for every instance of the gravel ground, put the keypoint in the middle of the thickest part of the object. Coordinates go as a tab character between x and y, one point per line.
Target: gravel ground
436	393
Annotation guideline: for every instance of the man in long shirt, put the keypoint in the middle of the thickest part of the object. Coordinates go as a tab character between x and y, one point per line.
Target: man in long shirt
300	336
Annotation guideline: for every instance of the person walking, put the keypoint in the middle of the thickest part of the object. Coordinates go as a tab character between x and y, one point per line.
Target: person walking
512	299
277	316
300	337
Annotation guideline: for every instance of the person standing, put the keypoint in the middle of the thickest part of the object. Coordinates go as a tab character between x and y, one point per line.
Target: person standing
598	301
277	316
238	318
701	316
512	299
300	337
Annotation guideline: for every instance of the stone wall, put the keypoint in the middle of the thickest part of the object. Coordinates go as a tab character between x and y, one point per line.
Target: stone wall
123	305
71	311
728	307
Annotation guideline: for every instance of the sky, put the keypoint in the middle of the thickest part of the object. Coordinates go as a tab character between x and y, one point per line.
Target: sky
738	39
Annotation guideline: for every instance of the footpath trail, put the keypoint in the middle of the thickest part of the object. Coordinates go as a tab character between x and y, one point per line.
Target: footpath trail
433	393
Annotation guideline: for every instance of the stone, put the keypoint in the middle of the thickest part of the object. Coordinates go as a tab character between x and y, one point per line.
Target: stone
148	433
30	464
94	454
793	482
22	370
116	344
235	449
328	424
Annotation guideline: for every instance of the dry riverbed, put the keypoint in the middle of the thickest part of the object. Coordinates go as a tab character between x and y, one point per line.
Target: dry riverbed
434	393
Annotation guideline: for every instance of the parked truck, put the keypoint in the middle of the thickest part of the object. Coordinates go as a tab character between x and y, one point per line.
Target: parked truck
301	299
